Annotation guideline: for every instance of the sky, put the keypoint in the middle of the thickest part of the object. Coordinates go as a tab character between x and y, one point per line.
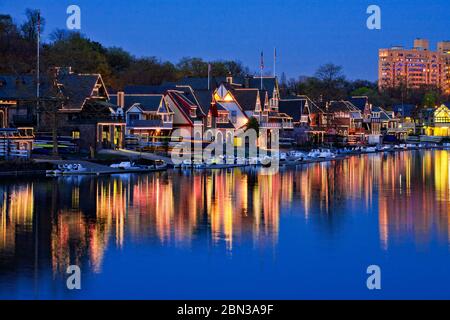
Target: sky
306	33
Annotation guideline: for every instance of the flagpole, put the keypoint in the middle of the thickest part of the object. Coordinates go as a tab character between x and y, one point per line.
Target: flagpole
209	72
262	67
38	55
275	62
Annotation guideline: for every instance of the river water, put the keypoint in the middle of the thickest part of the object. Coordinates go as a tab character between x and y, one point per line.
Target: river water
305	233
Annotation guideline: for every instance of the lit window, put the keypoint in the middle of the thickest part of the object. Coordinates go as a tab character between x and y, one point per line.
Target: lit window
228	98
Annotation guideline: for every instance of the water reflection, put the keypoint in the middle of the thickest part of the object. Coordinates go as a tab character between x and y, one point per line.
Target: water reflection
75	220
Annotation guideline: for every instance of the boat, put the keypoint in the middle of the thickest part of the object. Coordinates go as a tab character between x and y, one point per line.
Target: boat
265	161
369	149
326	154
67	169
314	154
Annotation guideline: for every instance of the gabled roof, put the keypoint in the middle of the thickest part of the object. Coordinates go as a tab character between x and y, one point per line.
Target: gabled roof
248	82
147	103
341	106
359	102
292	107
17	87
246	98
185	105
77	88
269	84
204	98
405	110
189	94
383	113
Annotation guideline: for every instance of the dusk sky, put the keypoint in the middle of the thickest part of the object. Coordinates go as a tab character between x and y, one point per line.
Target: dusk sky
306	33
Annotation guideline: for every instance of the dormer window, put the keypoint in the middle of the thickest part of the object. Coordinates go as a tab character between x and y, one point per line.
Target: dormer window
96	90
233	117
223	117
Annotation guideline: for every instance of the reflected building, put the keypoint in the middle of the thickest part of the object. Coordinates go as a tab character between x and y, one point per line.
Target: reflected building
59	222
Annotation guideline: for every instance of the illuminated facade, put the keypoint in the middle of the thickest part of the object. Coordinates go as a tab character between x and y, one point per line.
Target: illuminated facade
444	50
83	111
436	121
413	68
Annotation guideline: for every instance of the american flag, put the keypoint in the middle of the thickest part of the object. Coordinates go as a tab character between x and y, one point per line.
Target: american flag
262	60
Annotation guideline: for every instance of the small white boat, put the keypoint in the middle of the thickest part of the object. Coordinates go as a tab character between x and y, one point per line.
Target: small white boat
314	154
370	150
265	161
327	154
67	169
123	165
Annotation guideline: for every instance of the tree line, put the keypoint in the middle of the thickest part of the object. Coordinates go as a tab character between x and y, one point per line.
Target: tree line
119	67
330	83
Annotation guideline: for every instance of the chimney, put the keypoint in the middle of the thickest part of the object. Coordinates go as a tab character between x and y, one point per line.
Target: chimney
229	78
247	81
121	99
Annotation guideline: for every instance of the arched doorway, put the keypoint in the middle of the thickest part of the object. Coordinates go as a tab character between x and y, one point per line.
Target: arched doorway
229	138
209	136
219	137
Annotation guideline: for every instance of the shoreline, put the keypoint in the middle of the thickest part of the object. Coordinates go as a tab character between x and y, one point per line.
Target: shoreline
286	163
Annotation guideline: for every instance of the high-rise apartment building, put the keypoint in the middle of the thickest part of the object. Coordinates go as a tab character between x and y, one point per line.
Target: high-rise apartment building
444	49
415	67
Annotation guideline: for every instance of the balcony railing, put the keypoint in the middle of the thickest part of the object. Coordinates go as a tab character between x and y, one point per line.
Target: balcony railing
270	125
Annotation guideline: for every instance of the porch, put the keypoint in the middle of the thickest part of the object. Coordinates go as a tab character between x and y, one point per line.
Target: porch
110	135
16	143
